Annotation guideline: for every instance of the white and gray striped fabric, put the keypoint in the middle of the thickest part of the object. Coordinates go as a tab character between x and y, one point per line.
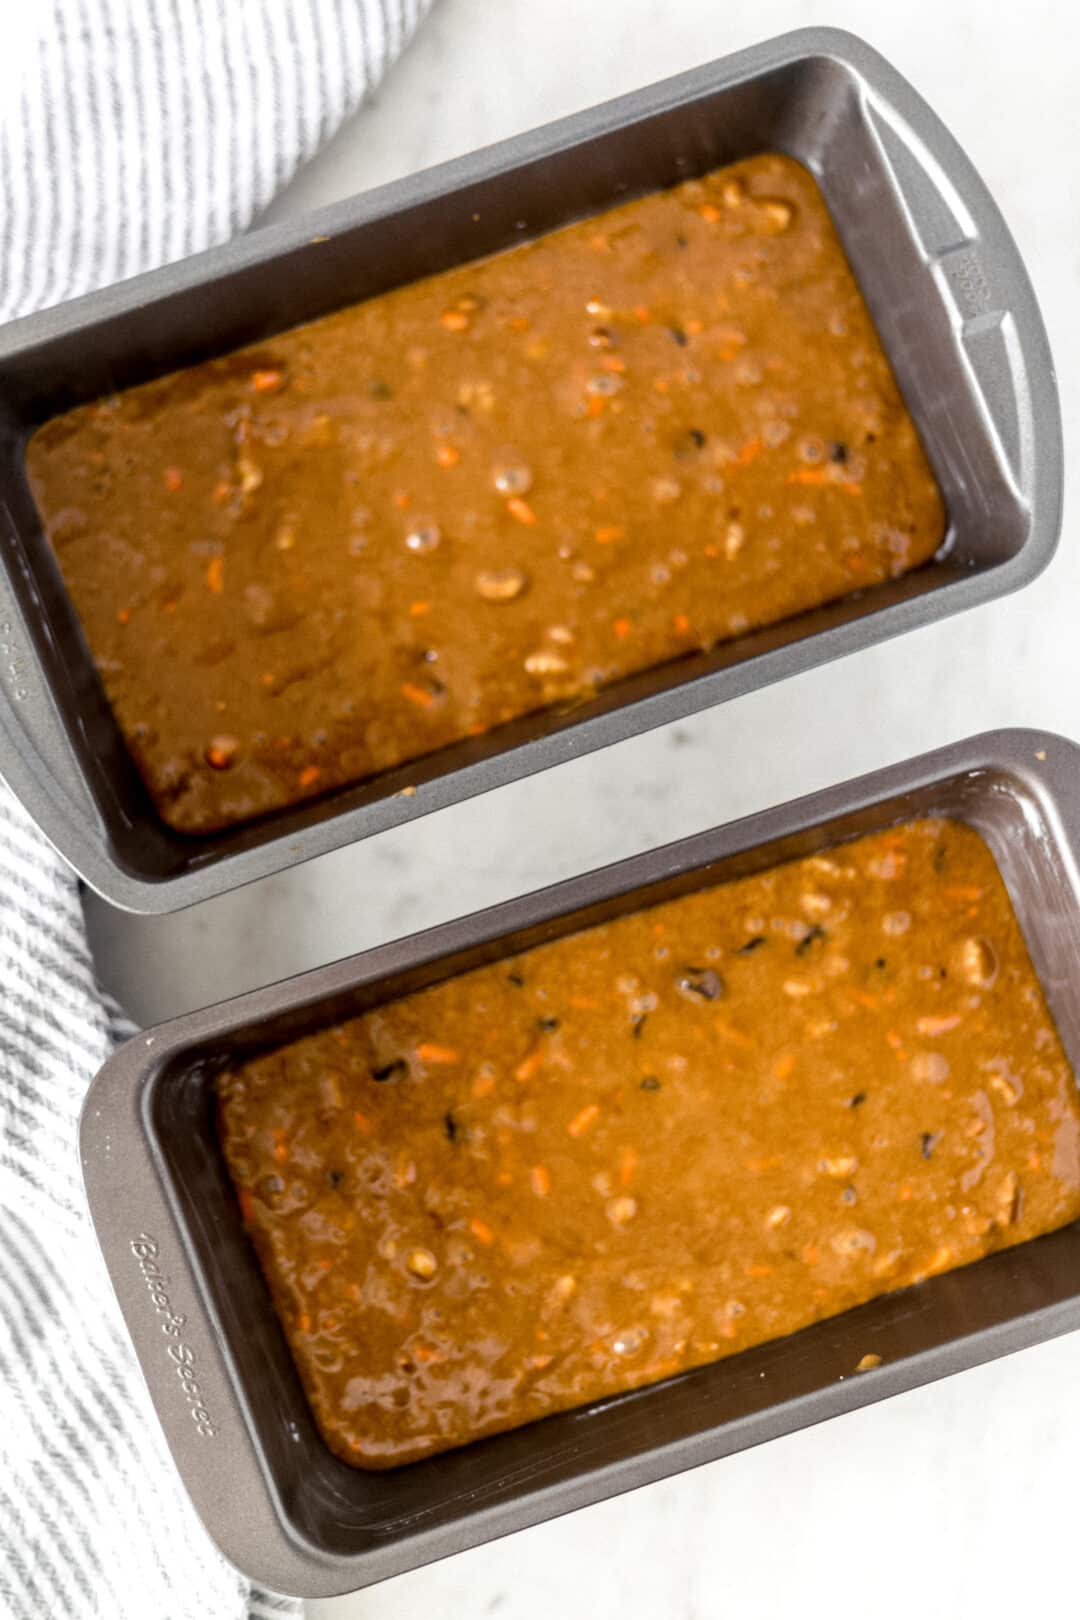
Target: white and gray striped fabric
131	132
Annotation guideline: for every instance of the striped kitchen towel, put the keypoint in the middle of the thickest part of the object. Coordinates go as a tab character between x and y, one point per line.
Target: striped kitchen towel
131	132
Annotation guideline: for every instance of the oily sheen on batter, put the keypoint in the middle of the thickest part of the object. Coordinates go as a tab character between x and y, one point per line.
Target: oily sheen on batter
484	493
654	1143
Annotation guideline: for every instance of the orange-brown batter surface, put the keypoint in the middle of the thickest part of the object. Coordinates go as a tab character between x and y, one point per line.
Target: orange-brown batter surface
485	493
654	1143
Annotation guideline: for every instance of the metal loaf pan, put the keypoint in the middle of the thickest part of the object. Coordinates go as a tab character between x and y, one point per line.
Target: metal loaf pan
935	261
270	1492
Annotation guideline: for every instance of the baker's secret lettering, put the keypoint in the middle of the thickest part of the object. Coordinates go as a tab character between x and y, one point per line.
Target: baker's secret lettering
146	1250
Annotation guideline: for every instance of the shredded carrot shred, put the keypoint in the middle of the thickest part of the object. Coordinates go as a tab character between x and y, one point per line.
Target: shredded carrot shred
784	1067
481	1230
540	1177
483	1085
173	479
418	609
749	452
709	212
247	1204
308	775
583	1119
362	1123
266	380
821	475
123	615
432	1052
622	628
447	456
215	575
417	694
529	1065
521	510
454	320
681	623
607	532
627	1165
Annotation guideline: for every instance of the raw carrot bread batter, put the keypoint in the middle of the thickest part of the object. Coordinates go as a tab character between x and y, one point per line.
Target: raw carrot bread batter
655	1142
484	493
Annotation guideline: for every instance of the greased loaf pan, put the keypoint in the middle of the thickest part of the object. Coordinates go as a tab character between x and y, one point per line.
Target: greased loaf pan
934	261
270	1491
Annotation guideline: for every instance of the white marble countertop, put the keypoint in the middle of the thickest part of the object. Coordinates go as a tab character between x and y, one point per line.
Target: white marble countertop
952	1500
